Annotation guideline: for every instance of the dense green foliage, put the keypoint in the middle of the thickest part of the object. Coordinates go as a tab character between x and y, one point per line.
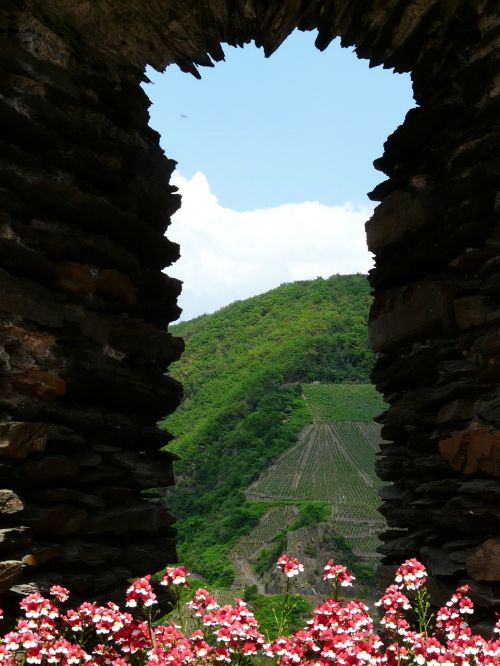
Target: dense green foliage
243	402
343	402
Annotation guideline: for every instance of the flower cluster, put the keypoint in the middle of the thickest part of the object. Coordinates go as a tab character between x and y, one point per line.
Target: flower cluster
235	628
202	602
176	576
290	567
141	592
450	619
338	573
411	575
394	604
338	632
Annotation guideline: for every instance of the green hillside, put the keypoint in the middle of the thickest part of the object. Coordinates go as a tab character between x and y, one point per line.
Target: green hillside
243	403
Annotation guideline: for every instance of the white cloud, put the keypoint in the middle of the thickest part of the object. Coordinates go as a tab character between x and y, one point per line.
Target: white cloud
229	255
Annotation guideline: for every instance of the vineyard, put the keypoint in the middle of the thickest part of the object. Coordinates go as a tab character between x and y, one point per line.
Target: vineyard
342	402
334	463
276	519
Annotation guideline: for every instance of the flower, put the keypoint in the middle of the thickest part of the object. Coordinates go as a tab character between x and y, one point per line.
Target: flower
393	600
141	591
411	575
175	576
290	567
202	601
339	573
59	592
35	606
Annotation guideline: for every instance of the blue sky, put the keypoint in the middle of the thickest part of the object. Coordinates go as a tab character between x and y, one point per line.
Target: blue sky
287	143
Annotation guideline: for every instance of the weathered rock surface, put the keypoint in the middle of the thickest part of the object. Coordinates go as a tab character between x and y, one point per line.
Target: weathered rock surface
10	570
84	206
10	502
484	563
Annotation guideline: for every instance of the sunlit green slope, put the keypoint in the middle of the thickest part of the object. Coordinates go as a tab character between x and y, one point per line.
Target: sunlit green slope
243	405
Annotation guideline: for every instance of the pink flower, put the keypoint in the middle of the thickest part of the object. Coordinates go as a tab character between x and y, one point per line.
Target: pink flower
290	567
450	618
393	599
200	647
202	601
175	576
141	591
249	649
35	606
7	658
465	606
60	593
411	575
221	654
339	573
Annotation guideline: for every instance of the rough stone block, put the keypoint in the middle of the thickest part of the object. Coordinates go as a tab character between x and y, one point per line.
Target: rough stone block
10	571
490	409
75	278
484	564
17	440
474	311
30	300
116	285
39	382
473	451
56	520
456	410
404	314
491	287
399	214
10	502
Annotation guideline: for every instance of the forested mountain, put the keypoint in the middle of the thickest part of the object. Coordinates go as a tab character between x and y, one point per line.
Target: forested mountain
243	407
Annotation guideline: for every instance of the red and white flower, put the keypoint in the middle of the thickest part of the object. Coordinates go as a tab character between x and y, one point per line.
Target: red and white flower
289	566
140	591
175	576
411	575
338	573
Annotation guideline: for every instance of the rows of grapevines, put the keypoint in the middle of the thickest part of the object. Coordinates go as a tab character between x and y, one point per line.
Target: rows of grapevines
342	402
334	463
272	523
361	534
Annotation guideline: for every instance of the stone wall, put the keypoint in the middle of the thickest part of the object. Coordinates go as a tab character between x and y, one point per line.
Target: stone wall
435	324
86	201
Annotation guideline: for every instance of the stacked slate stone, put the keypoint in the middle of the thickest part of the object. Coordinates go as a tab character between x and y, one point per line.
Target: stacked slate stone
84	309
435	325
86	205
